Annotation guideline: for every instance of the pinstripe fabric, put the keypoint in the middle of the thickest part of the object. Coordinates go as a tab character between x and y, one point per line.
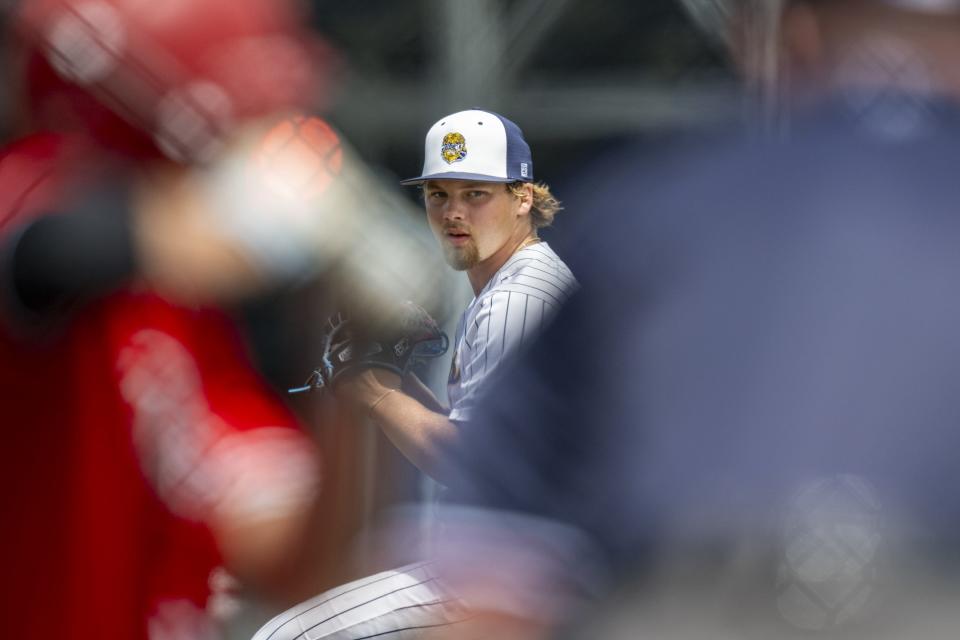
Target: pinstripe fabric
396	605
510	311
408	602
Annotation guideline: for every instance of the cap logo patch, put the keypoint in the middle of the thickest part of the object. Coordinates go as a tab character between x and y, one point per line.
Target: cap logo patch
454	148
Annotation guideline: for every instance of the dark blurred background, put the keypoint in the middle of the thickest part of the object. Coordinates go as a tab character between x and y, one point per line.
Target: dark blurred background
576	76
573	75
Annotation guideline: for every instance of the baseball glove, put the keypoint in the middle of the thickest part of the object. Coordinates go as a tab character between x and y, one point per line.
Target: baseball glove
408	338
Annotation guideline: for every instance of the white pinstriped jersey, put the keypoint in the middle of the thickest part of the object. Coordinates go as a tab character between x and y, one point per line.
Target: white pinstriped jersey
401	604
507	314
407	602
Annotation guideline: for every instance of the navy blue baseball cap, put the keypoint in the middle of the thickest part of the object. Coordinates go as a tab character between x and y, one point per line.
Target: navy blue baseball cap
475	145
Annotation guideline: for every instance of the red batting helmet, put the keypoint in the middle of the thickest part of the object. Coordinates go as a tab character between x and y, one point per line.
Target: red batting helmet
173	75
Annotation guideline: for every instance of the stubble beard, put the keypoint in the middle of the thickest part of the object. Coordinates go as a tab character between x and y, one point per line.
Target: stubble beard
462	258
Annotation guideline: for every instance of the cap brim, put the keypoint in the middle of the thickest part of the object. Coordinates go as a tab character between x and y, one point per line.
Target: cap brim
453	175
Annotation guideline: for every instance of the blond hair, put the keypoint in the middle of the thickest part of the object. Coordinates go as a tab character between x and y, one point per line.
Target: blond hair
545	205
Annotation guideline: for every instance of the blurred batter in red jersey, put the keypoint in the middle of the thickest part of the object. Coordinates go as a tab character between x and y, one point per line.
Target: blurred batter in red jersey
141	450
